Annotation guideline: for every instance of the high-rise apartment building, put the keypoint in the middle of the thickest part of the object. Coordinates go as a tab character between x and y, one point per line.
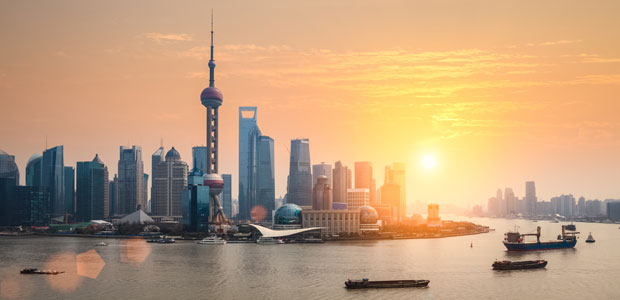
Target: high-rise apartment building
130	180
69	190
299	188
169	181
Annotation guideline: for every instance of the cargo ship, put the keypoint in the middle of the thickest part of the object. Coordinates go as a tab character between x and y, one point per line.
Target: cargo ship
367	284
515	241
519	265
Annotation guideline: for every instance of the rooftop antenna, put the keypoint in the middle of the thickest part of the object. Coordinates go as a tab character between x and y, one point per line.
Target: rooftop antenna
46	142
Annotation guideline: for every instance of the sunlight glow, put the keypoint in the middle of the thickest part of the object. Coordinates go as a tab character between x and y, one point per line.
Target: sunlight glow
429	161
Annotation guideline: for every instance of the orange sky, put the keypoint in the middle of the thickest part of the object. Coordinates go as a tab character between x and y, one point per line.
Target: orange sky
500	91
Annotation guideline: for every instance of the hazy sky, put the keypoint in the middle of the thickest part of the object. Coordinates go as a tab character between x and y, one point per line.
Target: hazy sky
499	91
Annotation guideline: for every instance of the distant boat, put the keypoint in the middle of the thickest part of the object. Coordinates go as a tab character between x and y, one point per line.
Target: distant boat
212	240
101	244
367	284
268	241
590	238
519	265
37	271
514	241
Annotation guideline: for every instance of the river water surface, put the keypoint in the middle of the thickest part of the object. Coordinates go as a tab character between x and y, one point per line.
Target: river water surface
185	270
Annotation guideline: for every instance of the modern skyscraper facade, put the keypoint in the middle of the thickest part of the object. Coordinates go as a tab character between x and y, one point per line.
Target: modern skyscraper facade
390	195
501	203
364	179
199	158
357	198
530	198
249	134
227	195
169	182
8	167
113	195
69	190
299	188
32	206
265	175
52	177
130	180
34	170
92	194
339	183
195	203
511	201
322	194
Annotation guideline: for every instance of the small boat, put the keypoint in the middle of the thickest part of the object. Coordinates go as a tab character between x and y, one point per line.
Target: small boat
101	244
519	265
269	241
367	284
212	240
590	238
37	271
162	240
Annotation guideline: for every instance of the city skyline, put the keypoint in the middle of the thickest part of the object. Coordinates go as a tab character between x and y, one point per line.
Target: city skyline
512	109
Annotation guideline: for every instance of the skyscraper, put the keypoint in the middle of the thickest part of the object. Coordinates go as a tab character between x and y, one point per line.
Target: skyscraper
227	195
530	198
199	158
502	210
511	201
339	183
8	168
364	179
211	98
249	134
113	195
265	176
357	198
299	189
52	177
322	194
396	174
70	190
322	169
390	195
92	194
130	180
195	203
169	182
33	170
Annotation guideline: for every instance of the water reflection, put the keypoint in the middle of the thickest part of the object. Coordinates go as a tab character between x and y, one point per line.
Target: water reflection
134	251
89	264
68	281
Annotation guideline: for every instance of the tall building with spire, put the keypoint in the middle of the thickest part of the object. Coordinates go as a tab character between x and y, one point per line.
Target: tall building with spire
211	99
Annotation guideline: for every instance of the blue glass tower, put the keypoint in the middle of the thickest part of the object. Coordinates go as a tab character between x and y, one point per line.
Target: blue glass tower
195	203
52	177
299	189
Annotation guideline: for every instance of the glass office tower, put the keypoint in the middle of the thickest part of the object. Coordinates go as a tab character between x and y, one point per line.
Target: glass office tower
299	189
52	177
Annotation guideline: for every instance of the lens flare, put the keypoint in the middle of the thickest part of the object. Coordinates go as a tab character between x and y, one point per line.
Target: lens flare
258	213
64	262
134	251
89	264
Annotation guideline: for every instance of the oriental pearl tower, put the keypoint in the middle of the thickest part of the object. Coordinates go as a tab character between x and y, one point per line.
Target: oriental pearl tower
211	98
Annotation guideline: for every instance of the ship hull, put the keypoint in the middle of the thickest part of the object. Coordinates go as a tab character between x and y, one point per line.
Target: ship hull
540	246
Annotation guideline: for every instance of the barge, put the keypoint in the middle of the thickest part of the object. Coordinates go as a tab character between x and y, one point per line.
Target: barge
367	284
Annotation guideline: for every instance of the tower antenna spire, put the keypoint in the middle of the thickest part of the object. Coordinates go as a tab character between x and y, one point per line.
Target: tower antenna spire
212	61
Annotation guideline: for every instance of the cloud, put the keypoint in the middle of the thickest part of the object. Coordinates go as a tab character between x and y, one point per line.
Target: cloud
162	38
560	42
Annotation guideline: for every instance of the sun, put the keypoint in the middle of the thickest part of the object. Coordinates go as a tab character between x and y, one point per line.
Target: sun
429	161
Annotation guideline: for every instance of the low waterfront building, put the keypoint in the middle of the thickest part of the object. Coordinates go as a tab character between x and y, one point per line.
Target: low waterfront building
332	222
368	220
357	198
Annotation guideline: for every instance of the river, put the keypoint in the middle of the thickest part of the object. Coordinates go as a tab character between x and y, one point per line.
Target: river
185	270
